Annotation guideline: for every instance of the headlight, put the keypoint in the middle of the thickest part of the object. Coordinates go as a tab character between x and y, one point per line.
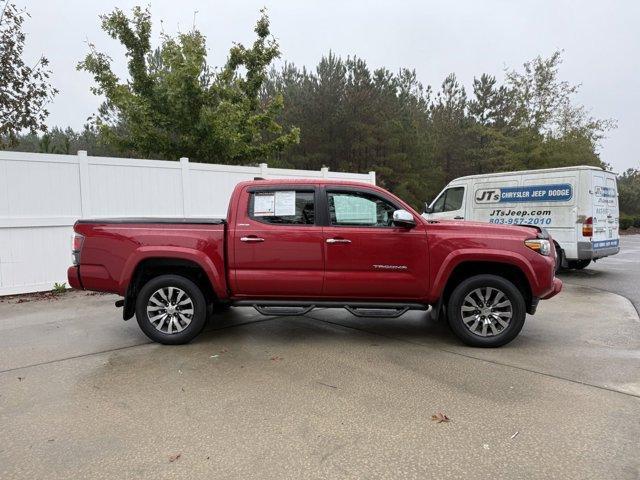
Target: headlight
539	245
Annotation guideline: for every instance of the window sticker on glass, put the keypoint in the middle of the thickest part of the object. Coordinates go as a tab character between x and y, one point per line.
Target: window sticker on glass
264	205
285	203
354	210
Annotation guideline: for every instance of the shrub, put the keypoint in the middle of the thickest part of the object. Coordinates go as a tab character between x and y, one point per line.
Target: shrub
628	221
625	222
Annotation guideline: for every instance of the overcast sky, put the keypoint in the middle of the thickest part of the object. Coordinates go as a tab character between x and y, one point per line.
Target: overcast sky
600	39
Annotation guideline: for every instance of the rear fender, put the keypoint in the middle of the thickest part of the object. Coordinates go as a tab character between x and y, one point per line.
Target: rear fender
213	267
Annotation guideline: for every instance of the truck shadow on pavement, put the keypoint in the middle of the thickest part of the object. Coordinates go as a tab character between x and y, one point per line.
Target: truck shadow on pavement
327	325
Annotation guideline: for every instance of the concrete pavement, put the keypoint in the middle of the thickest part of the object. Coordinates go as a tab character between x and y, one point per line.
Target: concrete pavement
618	274
84	395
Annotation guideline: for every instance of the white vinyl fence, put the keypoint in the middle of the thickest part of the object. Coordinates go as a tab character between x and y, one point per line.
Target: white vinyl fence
42	195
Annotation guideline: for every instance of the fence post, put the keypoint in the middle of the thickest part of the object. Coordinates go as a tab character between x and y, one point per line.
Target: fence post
325	172
372	177
85	198
186	191
263	170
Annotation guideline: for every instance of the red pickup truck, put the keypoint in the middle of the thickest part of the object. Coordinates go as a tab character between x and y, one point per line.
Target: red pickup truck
287	247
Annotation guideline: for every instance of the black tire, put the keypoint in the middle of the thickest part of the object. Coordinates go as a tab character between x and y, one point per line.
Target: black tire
490	284
559	257
171	283
578	264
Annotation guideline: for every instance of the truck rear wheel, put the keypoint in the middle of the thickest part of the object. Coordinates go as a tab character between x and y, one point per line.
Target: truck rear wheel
486	311
171	309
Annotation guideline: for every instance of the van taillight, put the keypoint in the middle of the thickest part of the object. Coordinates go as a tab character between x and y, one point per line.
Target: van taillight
76	246
587	227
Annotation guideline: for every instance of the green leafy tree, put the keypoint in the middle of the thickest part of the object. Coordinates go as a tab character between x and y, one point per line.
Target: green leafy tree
174	105
543	104
24	90
629	191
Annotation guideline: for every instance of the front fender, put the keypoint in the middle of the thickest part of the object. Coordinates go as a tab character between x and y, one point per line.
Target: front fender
457	257
213	267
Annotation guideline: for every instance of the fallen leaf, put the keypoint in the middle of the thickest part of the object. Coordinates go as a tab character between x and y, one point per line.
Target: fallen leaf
276	359
174	457
214	356
440	417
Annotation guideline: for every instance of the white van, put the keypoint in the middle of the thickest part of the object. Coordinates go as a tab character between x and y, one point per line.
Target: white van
578	206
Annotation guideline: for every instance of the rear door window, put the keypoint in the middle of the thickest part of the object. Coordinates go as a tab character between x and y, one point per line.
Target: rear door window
283	207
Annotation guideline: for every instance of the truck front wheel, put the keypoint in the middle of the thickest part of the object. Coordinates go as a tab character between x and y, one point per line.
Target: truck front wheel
486	311
171	309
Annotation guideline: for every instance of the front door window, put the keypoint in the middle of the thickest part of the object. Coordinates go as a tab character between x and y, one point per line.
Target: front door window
359	209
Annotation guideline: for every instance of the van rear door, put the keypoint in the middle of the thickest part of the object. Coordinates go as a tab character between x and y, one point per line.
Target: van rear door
605	211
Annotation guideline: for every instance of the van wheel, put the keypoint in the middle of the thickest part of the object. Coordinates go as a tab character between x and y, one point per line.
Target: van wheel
578	264
486	311
559	256
171	309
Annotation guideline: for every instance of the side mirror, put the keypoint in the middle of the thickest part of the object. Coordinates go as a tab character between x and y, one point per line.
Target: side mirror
402	218
427	208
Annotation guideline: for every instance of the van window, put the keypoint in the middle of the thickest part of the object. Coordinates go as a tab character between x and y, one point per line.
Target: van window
450	200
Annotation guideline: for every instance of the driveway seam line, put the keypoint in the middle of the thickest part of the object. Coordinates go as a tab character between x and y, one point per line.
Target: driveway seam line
50	362
482	359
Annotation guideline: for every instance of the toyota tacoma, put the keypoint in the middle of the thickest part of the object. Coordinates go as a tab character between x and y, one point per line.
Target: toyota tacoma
288	246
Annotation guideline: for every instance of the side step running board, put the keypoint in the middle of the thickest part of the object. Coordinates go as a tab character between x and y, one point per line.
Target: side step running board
282	311
376	312
357	308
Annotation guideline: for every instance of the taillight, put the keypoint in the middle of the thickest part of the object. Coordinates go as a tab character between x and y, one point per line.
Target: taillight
587	227
76	246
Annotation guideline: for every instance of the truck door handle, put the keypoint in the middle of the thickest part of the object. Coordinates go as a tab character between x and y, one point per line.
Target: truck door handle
252	239
338	240
458	218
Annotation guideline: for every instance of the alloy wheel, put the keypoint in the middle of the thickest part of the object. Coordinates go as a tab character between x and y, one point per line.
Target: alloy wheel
170	310
486	311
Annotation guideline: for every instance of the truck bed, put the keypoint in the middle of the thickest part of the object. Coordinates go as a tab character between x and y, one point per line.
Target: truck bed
114	247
